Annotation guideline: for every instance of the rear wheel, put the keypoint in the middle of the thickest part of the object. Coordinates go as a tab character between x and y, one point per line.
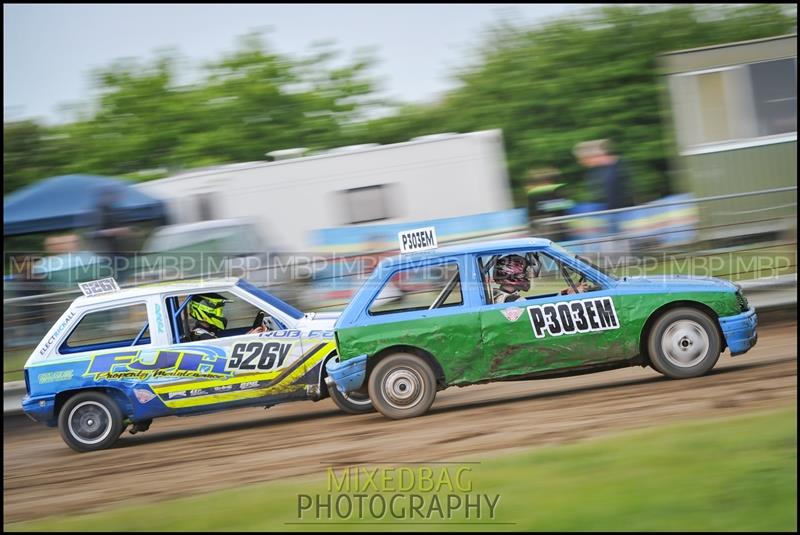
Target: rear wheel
683	343
90	421
402	386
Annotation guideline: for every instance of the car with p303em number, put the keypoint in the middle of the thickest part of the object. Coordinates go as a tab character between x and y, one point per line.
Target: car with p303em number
523	309
118	358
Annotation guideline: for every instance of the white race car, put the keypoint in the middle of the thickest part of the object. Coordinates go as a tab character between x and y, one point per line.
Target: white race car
116	359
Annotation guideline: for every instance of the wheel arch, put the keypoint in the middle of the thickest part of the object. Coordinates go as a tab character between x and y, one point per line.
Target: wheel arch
116	394
657	313
323	373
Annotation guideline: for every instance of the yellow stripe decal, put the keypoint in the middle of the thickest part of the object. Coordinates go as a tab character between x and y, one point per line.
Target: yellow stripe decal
284	386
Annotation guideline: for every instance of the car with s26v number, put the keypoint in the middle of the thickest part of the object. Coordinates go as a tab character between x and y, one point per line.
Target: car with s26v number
523	309
118	358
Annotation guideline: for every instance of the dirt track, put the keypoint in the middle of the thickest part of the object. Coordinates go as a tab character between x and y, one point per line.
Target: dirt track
181	456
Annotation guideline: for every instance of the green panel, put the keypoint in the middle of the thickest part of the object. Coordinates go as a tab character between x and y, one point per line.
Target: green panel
453	339
506	348
743	170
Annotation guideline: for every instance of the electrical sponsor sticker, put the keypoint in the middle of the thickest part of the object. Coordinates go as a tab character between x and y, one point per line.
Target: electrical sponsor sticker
570	317
56	333
421	239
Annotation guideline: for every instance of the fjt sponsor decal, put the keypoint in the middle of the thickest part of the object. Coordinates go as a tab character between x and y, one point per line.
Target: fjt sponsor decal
570	317
167	363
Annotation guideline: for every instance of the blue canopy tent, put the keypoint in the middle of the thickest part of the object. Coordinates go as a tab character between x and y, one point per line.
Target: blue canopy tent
70	201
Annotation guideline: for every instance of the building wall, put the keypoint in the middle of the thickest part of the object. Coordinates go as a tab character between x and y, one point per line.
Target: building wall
734	112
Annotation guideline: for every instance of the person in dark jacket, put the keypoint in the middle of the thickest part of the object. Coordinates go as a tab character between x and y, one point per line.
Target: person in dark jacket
607	178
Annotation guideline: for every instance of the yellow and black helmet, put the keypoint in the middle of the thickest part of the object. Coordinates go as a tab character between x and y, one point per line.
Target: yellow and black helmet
208	308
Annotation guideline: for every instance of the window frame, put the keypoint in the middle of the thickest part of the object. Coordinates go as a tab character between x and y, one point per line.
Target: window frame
172	315
389	276
486	294
350	218
59	350
684	107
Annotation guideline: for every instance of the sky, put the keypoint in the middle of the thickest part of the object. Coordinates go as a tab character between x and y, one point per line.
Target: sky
50	50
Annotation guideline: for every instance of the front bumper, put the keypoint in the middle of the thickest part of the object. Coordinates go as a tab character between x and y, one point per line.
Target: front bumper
40	409
740	331
348	375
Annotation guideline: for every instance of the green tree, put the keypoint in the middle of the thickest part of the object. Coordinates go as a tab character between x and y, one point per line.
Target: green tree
547	87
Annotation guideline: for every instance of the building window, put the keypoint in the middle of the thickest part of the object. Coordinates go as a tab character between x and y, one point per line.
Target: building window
736	103
775	95
363	205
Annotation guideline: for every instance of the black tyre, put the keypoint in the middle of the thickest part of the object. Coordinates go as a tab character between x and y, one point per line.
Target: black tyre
90	421
356	402
402	386
683	343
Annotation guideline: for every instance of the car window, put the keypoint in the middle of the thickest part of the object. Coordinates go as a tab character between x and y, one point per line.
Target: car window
239	315
108	328
419	288
582	286
535	275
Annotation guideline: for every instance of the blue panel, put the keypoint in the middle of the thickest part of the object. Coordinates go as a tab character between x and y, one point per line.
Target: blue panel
740	331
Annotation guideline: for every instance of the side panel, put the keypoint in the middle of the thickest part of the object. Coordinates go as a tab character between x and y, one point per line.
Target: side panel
466	359
453	340
556	332
198	376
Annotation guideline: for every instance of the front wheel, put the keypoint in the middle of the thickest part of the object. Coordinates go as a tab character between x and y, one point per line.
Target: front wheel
351	402
90	421
402	386
683	343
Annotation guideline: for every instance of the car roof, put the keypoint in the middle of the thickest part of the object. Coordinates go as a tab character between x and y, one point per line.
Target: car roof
189	286
467	248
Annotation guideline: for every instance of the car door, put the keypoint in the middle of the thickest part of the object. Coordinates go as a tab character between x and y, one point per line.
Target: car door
234	367
547	328
428	305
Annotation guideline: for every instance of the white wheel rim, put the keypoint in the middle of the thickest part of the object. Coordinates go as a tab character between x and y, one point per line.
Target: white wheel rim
685	343
89	422
403	388
356	399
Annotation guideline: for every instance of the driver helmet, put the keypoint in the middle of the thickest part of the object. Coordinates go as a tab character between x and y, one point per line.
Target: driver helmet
208	308
512	270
